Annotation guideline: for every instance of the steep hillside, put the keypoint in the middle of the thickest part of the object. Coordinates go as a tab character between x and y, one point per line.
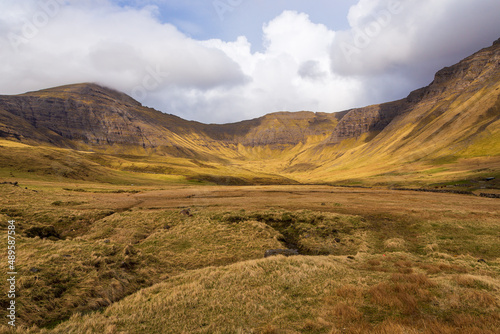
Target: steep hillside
277	129
87	115
94	116
453	121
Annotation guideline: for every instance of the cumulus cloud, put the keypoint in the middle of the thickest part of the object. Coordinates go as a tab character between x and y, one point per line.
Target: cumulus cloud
311	69
408	41
296	51
390	48
122	47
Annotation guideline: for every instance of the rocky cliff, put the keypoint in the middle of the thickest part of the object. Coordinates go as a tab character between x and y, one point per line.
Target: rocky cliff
95	116
357	122
80	114
470	75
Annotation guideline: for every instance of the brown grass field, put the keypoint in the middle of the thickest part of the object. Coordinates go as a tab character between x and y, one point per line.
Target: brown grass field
124	259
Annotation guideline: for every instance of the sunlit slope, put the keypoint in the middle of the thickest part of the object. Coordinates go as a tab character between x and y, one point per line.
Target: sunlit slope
110	133
446	131
464	127
454	120
20	161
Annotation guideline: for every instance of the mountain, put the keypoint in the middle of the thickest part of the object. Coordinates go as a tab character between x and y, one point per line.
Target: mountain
454	122
88	115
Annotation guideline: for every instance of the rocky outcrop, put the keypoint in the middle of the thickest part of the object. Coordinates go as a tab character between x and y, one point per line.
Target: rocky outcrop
369	119
287	128
471	73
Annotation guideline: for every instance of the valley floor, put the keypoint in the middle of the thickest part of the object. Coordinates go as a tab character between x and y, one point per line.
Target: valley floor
95	258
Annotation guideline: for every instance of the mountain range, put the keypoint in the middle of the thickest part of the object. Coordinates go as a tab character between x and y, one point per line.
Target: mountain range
448	131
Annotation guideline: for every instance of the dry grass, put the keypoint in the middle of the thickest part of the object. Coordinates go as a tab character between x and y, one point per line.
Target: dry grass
207	269
298	295
395	244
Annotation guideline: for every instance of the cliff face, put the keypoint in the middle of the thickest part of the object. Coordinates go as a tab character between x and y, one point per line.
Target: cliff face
472	73
86	114
286	128
468	76
357	122
97	116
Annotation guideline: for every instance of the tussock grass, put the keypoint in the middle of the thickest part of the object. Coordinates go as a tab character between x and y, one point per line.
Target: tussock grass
312	233
300	294
132	262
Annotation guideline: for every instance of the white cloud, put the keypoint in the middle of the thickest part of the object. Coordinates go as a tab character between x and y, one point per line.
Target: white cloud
408	41
391	48
292	73
312	70
119	47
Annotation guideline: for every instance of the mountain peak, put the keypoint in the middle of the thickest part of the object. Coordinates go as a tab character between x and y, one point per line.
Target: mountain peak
87	90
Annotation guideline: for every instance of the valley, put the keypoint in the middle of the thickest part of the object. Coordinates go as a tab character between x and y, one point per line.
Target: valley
130	220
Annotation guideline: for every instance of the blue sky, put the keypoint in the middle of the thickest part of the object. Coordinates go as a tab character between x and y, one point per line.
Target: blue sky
247	59
228	19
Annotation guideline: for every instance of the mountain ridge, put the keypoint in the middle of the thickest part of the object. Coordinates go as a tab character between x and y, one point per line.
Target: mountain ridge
447	118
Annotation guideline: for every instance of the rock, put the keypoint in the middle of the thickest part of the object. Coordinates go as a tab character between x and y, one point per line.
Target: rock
107	241
186	212
34	270
285	252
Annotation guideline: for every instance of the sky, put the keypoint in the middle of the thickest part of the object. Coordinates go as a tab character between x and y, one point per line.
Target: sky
219	61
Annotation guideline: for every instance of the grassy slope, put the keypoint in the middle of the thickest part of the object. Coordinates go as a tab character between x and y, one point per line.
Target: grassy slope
20	161
463	139
111	250
393	294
